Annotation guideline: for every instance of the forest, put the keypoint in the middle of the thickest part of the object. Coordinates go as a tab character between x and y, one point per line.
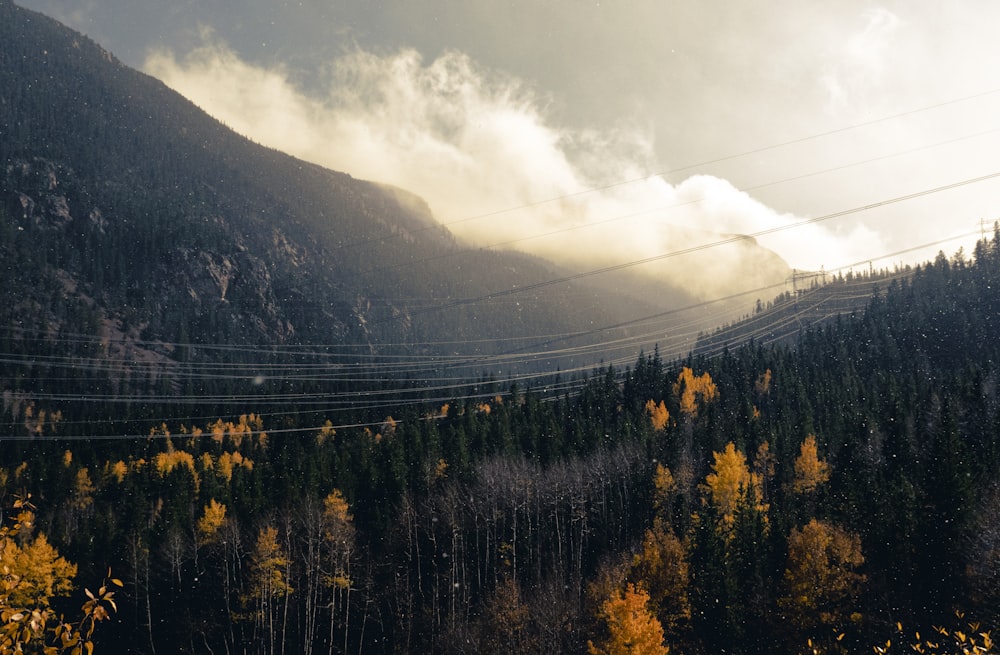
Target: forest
836	492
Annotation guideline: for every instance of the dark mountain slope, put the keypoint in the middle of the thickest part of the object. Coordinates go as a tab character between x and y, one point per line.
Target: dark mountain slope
129	213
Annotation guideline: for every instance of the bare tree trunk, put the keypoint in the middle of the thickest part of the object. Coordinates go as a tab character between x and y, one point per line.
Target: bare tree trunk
140	563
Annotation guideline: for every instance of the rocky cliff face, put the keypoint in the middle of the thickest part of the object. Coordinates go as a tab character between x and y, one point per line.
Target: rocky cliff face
135	228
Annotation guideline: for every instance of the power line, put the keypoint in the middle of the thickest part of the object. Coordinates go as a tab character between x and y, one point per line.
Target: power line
567	387
756	187
688	167
705	246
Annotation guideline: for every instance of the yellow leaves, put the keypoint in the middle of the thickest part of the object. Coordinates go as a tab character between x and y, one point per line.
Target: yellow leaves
36	422
119	470
213	516
821	575
810	470
226	461
632	629
67	458
325	433
245	427
335	508
340	582
224	466
166	462
730	481
268	566
694	391
663	486
440	470
218	431
33	573
763	383
338	537
764	462
958	641
658	415
663	567
83	490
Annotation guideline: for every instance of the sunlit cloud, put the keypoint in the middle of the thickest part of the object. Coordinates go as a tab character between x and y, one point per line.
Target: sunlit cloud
857	66
479	147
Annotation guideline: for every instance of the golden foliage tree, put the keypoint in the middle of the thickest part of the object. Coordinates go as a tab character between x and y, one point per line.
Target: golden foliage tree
212	518
269	564
763	383
663	567
664	487
505	627
731	481
31	574
83	490
35	572
632	629
658	415
693	391
810	470
338	538
821	578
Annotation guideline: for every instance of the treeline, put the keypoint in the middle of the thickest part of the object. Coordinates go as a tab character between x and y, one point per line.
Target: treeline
753	502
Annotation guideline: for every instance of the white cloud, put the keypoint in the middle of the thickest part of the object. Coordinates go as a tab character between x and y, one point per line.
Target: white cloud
857	66
477	143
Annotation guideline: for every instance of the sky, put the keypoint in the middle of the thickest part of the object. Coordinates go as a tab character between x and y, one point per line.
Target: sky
596	133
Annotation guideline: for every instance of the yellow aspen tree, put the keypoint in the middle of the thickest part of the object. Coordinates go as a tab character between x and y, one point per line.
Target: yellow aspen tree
224	466
269	566
658	415
35	572
662	566
810	470
118	470
664	487
83	490
212	518
632	629
763	383
694	391
338	538
30	575
821	577
325	433
506	621
339	533
730	480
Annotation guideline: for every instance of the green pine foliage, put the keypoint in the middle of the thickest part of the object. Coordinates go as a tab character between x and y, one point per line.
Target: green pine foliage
451	504
505	518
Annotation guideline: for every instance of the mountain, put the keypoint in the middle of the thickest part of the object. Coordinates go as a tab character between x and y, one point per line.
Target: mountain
130	213
141	236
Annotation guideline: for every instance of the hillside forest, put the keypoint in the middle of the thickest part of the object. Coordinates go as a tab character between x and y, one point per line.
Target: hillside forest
830	493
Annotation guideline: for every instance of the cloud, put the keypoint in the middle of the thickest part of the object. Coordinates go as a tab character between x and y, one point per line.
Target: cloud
858	65
478	146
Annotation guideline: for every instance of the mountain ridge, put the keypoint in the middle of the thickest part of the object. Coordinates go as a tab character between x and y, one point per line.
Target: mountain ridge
164	220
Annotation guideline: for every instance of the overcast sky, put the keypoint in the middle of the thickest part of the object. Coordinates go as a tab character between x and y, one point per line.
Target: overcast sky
745	108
